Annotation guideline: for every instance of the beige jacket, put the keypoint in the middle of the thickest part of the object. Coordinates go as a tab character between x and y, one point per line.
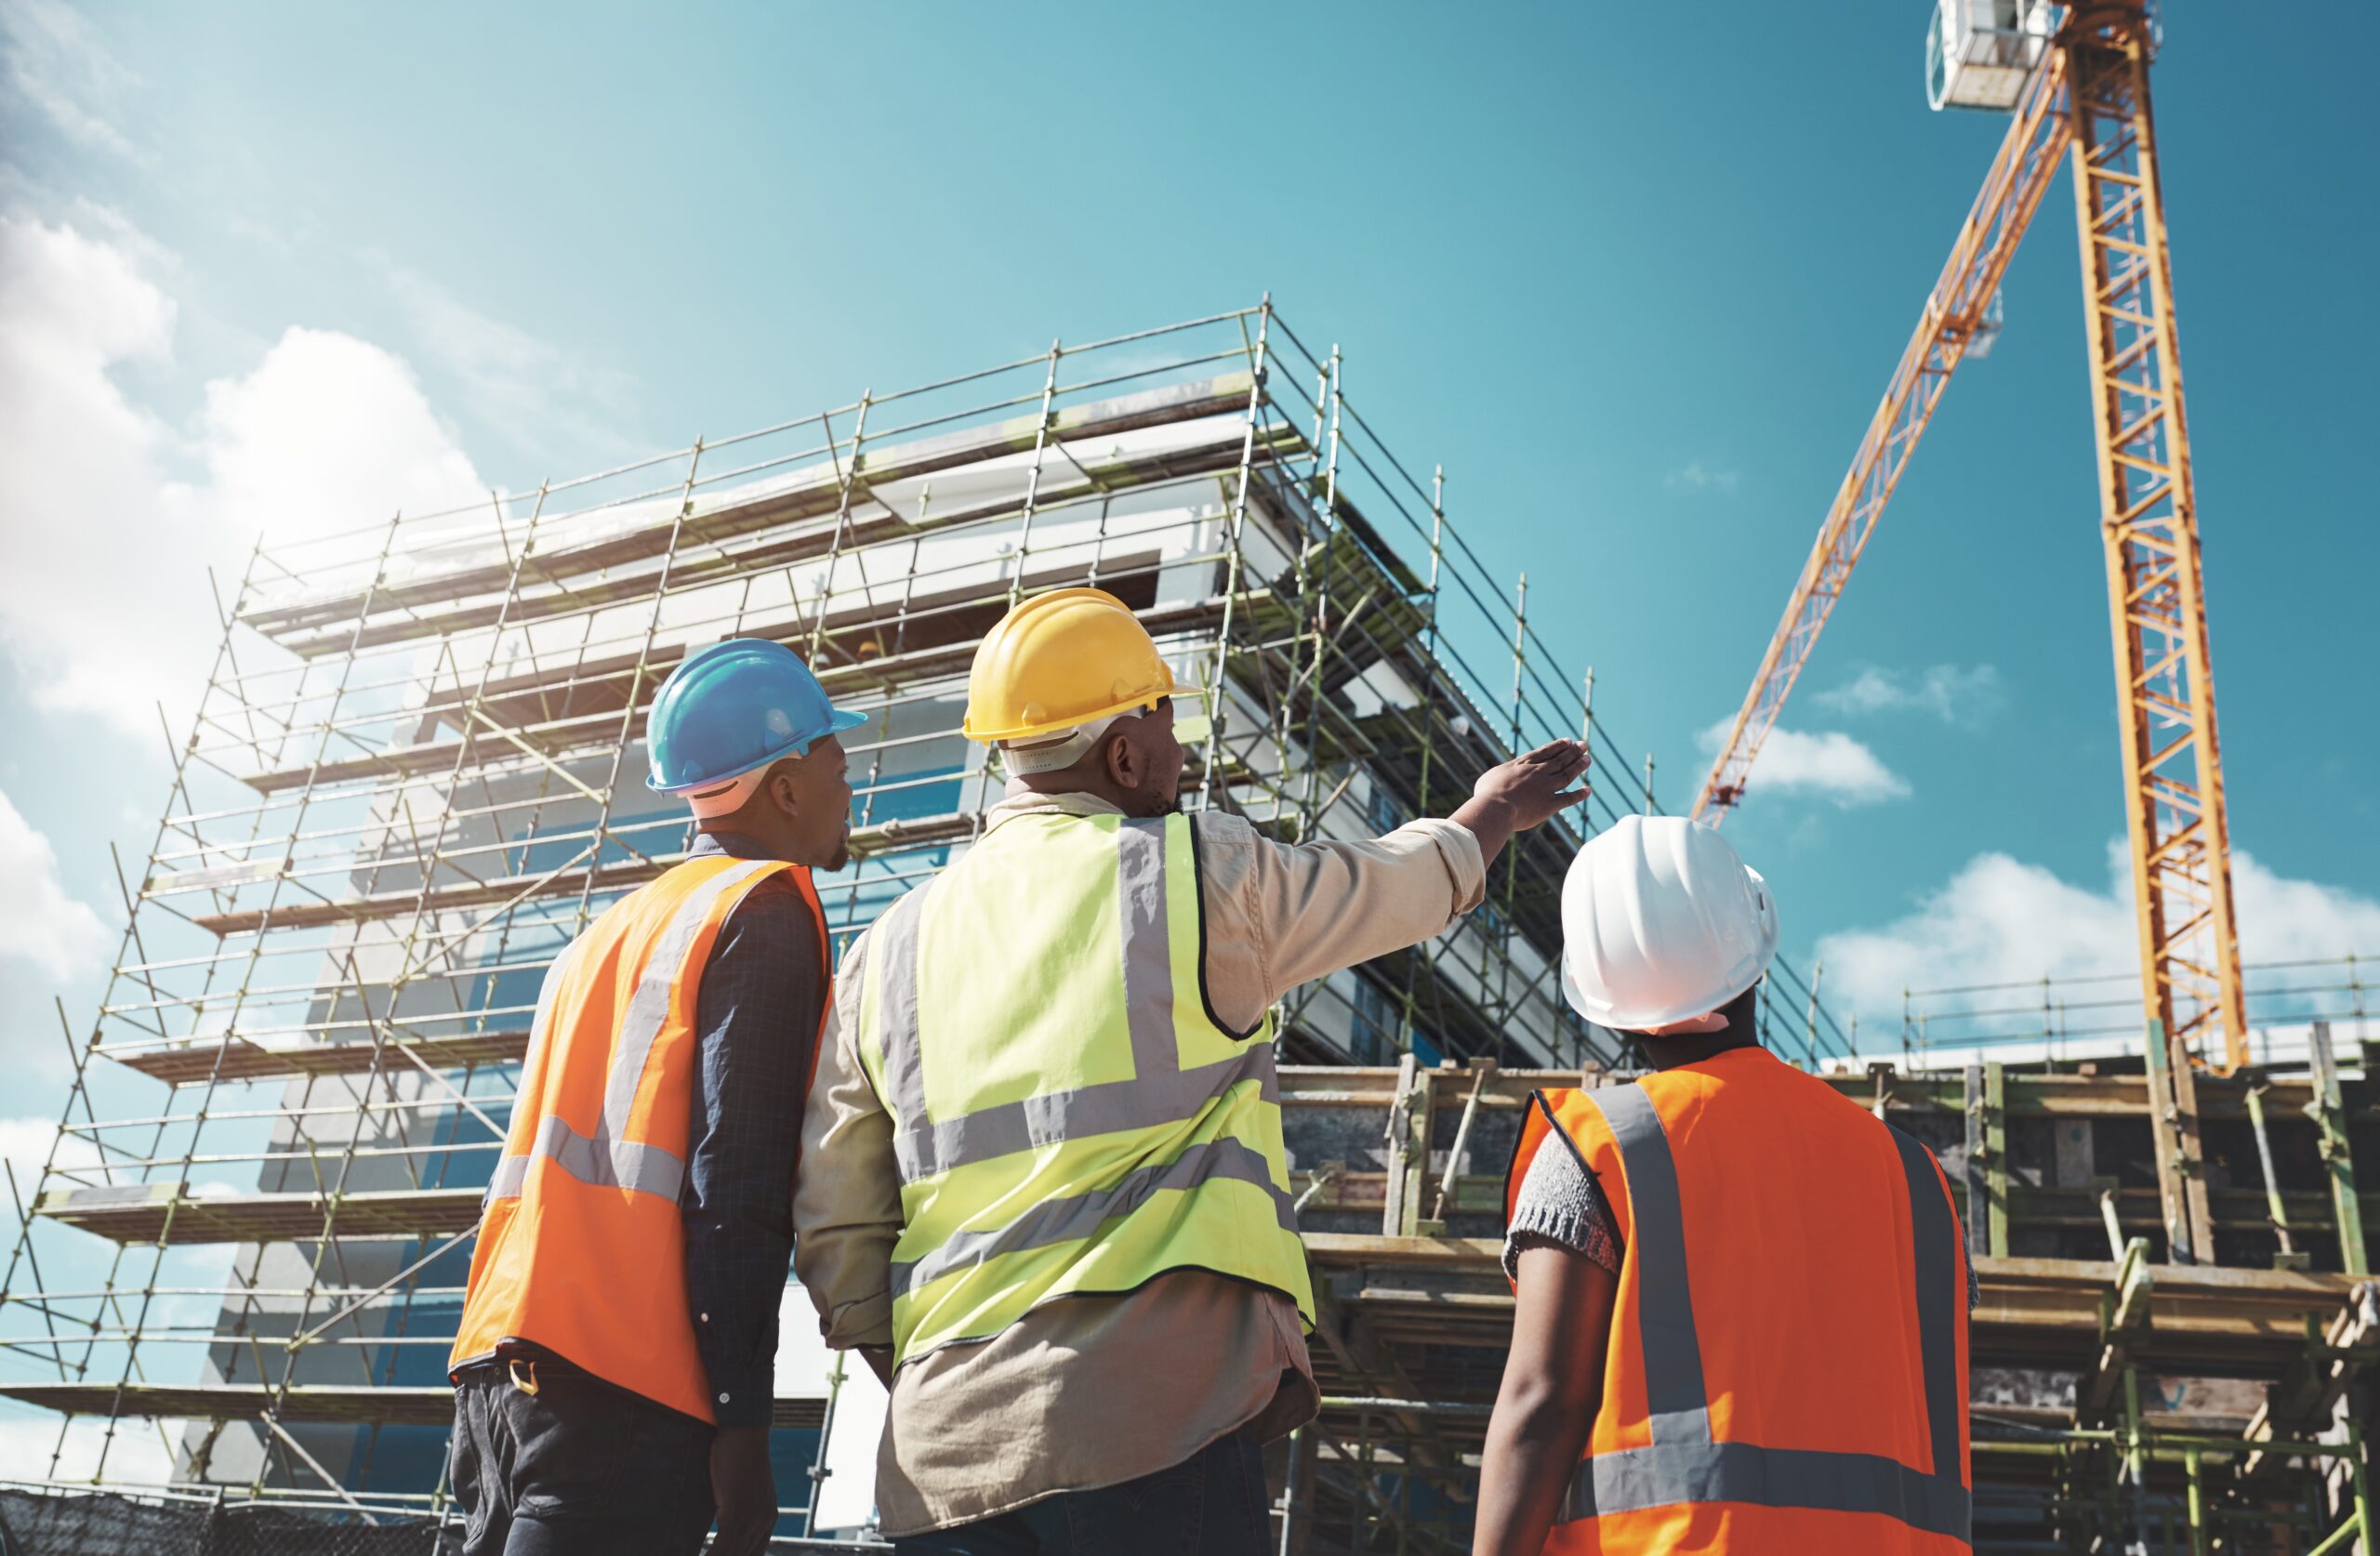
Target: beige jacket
1096	1391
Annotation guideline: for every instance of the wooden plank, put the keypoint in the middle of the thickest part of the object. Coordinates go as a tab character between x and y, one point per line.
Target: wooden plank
818	494
145	1212
184	1063
305	1404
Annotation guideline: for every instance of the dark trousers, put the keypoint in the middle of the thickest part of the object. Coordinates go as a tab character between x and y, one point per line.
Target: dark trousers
576	1468
1210	1504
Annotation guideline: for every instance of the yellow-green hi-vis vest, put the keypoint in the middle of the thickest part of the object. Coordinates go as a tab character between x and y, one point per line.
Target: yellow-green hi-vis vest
1070	1116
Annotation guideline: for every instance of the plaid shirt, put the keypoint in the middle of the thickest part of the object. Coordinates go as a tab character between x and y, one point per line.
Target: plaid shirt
762	994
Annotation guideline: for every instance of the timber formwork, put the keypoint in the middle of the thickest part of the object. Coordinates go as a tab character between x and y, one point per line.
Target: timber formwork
416	772
2121	1400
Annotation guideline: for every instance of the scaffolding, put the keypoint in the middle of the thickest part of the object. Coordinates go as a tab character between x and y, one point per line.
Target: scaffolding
415	773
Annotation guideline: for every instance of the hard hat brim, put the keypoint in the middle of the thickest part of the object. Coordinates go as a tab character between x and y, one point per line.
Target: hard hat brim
1138	702
838	721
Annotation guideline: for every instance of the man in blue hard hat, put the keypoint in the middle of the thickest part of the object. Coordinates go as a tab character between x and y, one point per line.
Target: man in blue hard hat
613	1367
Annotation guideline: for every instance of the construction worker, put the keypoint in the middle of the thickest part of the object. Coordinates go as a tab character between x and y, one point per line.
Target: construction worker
1046	1191
614	1365
1741	1320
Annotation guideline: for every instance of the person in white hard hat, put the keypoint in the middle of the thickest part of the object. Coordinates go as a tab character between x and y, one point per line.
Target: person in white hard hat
1737	1324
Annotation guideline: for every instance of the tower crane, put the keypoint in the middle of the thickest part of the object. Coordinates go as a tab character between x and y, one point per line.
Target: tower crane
2074	80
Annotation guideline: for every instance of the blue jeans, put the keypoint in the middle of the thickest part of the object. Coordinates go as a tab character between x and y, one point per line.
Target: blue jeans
1210	1504
576	1468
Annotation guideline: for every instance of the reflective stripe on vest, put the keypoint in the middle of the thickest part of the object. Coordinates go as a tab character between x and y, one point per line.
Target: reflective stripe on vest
1160	1091
1685	1465
608	1158
1197	1128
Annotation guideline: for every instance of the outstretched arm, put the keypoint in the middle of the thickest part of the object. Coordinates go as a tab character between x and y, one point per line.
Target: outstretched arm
1553	1384
1279	914
1514	796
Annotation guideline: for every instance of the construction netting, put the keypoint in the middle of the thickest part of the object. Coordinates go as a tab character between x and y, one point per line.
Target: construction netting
114	1524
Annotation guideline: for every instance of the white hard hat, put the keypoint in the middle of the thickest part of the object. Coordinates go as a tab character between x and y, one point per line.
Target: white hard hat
1661	922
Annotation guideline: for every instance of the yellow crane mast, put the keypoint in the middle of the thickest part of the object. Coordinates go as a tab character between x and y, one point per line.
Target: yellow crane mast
2075	80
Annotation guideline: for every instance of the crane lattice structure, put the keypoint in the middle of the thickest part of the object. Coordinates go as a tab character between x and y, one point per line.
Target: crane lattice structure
2081	79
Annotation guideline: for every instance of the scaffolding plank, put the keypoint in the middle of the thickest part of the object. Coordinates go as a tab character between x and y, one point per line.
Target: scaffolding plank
623	875
817	494
184	1063
600	731
2203	1320
304	1403
145	1212
688	569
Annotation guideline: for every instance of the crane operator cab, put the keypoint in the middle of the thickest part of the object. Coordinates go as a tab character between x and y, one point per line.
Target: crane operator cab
1980	53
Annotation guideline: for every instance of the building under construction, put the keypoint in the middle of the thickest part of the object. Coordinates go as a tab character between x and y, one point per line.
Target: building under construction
418	772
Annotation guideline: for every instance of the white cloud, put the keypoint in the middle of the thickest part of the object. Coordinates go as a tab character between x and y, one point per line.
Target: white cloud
1999	921
116	516
1696	476
137	1454
39	922
53	62
1828	764
534	393
1955	694
328	433
25	1143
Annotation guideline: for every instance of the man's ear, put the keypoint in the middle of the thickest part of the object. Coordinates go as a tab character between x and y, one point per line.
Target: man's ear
1123	762
783	791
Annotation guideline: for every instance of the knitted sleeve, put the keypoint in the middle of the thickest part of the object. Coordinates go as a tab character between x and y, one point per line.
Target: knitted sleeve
1558	1207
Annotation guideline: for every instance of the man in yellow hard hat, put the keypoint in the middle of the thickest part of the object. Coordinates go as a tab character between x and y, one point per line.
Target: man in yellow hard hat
1044	1188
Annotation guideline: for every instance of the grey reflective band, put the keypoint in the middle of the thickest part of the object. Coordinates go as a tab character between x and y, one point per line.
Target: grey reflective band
511	1171
649	1006
1148	953
1636	1479
1683	1464
1941	1285
1657	1231
895	939
1159	1093
1081	1216
923	1149
608	1158
625	1165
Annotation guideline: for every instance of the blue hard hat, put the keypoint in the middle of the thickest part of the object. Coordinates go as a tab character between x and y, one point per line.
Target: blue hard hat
734	706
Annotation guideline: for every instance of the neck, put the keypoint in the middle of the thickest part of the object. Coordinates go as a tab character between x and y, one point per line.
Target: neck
745	842
1072	782
1742	1031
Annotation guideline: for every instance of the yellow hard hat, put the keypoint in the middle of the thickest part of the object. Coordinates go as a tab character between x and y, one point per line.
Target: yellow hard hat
1058	660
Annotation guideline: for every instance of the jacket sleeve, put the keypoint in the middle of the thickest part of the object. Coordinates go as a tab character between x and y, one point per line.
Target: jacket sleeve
847	1198
757	1016
1281	913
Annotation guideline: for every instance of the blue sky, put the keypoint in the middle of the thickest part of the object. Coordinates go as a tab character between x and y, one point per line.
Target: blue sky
1634	274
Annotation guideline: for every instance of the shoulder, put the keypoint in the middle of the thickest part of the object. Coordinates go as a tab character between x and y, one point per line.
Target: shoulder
1225	848
1221	829
775	899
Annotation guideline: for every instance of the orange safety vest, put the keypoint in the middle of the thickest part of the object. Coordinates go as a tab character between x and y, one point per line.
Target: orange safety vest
1786	1367
582	1245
